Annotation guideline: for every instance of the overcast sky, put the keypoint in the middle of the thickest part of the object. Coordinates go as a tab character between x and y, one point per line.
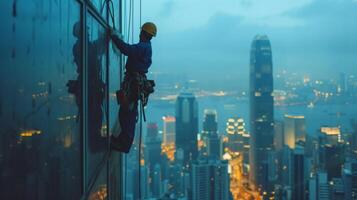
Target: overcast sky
209	40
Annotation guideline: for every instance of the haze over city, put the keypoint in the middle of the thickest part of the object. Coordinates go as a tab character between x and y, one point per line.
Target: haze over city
210	40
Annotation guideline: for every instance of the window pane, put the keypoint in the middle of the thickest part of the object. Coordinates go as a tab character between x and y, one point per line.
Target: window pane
40	125
114	85
97	140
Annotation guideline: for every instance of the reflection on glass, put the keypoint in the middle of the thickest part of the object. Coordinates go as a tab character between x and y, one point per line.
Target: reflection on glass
40	128
101	6
96	75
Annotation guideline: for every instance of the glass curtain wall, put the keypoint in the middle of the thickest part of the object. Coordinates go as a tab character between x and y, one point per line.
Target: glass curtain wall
57	79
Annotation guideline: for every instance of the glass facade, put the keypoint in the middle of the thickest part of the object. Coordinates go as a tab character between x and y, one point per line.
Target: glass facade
58	76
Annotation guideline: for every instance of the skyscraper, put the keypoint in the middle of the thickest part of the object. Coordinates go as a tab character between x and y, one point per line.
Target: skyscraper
210	122
349	177
318	186
168	138
213	146
152	153
261	110
286	167
187	125
298	176
278	135
210	134
237	136
294	130
169	129
156	181
210	180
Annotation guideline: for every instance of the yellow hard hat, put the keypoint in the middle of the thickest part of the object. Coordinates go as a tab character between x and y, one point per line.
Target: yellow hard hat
150	28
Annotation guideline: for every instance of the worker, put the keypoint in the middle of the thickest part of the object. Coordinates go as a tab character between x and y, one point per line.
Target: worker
137	65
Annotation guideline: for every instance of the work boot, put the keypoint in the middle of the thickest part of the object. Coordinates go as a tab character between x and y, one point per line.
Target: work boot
117	144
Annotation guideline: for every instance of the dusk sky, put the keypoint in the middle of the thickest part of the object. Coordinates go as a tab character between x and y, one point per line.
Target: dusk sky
210	41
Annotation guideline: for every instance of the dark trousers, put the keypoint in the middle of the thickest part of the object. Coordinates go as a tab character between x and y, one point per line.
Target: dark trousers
127	119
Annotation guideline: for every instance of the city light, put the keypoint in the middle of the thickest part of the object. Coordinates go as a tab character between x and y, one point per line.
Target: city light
168	150
30	133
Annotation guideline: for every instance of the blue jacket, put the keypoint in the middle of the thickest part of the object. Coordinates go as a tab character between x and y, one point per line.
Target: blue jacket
139	55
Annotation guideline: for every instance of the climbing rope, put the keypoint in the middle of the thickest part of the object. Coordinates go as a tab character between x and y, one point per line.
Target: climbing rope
130	28
139	157
130	19
141	115
140	13
132	22
111	12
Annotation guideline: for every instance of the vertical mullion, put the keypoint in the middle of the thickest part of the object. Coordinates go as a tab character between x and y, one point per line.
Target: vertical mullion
122	59
107	102
84	94
120	27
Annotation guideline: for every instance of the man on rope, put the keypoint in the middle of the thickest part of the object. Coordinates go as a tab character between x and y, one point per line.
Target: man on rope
135	86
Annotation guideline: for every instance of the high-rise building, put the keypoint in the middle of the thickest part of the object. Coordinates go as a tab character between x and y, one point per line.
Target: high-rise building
298	174
152	156
261	111
331	152
165	187
237	137
294	130
210	122
213	146
168	137
210	134
286	167
332	160
156	182
278	135
169	130
349	177
144	181
187	125
273	167
318	187
337	189
210	180
152	146
330	135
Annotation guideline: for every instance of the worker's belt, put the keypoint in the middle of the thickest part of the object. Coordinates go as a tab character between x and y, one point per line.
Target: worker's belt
135	87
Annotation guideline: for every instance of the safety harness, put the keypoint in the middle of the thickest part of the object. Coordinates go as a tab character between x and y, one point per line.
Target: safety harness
135	87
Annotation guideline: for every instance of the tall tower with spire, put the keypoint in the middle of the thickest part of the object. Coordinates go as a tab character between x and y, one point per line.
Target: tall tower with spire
261	112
